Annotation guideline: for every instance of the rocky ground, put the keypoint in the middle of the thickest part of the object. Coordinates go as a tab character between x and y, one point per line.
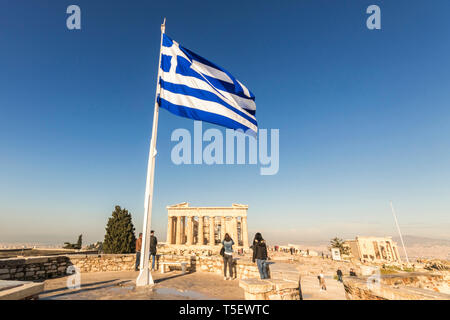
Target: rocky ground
206	285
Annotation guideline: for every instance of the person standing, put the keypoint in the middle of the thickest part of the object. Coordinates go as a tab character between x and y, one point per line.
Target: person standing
153	243
138	252
227	256
260	255
321	277
339	274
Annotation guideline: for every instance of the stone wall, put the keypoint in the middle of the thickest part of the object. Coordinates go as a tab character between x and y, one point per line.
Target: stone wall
104	262
33	268
40	268
243	268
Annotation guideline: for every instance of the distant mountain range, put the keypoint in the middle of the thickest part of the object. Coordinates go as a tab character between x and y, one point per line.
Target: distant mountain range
421	247
413	240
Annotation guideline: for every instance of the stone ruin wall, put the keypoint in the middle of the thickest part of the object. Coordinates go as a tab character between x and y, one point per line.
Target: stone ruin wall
405	286
34	268
243	269
41	268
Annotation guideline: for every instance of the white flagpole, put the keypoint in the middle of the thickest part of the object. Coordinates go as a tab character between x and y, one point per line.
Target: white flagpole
400	234
145	276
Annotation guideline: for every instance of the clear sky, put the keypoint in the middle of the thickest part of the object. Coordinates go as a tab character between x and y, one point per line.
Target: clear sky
364	116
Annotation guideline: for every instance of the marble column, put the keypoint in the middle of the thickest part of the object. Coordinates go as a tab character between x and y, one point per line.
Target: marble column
234	233
222	228
190	231
244	232
200	234
178	237
169	230
211	231
183	230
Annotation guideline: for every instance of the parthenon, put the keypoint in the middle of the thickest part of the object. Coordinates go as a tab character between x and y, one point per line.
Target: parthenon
199	226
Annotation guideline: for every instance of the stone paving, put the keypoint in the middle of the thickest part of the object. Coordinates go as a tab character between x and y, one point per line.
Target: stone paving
172	286
121	285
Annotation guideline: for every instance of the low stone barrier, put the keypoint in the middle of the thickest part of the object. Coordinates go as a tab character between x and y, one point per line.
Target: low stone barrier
242	268
20	290
104	262
40	268
33	268
270	289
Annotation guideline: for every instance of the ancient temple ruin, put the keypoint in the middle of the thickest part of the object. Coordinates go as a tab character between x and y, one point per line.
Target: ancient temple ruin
375	249
206	226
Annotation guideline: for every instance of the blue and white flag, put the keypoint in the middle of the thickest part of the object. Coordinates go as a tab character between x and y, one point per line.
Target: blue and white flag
193	87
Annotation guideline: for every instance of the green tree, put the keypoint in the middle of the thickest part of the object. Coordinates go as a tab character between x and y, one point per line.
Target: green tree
119	237
80	241
68	245
339	243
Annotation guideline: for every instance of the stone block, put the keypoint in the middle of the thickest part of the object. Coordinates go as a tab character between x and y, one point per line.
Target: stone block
284	284
255	286
256	296
5	276
3	271
38	260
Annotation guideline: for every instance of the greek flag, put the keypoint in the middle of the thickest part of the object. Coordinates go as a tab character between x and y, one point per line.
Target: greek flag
193	87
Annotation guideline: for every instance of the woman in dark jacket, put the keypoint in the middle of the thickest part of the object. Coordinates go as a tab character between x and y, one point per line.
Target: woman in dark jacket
260	255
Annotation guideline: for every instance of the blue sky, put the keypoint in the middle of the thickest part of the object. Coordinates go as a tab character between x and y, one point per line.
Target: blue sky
364	116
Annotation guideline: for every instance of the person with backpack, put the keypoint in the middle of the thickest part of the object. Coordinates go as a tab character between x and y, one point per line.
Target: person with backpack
227	254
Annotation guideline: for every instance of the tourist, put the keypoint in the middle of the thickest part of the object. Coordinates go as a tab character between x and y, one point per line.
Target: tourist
352	273
227	256
138	252
339	275
321	278
153	243
260	255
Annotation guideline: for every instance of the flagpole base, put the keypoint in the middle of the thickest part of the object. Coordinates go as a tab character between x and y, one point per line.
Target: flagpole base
144	278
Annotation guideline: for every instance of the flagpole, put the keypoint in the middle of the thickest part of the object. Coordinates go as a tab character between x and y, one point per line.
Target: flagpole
145	277
400	234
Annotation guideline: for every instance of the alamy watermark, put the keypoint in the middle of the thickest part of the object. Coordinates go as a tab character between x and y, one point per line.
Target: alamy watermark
74	280
222	151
